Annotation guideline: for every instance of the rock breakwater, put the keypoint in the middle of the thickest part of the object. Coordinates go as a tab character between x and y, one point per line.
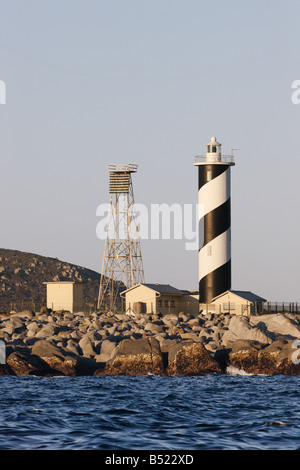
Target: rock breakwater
61	343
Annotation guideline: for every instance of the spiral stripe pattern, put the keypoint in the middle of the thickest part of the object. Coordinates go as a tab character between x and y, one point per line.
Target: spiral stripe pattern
214	231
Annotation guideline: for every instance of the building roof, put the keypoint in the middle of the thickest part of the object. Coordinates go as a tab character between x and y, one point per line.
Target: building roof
247	295
189	292
164	289
159	288
63	282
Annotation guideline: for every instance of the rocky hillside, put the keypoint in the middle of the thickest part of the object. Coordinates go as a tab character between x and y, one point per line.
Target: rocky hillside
22	276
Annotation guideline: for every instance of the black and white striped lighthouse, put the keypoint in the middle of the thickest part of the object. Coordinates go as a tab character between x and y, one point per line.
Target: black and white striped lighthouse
214	222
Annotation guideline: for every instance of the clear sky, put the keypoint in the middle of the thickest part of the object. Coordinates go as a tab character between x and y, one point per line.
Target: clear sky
93	82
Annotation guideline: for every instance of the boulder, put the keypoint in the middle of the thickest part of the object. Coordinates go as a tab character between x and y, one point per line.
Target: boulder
170	319
286	356
107	351
246	344
24	315
32	326
5	369
59	360
86	346
135	357
154	328
189	358
46	331
277	324
24	363
166	344
281	357
240	328
9	330
72	346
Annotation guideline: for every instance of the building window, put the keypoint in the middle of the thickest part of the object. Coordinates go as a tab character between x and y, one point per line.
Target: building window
159	303
172	303
214	149
166	303
209	175
229	306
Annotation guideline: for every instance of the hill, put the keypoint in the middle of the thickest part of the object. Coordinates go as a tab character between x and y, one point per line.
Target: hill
22	275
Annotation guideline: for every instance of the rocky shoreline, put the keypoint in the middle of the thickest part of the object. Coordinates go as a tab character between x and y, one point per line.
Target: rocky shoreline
50	343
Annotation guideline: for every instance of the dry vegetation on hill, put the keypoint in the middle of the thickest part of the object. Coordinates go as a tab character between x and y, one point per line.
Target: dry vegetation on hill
22	276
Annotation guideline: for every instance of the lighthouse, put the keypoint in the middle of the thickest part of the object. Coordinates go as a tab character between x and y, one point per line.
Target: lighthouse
214	222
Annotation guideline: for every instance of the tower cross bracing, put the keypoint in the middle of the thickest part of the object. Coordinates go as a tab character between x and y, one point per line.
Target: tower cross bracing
122	265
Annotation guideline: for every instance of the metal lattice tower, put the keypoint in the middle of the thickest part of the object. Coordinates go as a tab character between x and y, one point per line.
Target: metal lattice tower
122	265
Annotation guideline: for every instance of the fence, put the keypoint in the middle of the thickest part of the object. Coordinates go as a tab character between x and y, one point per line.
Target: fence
276	307
255	308
173	306
35	306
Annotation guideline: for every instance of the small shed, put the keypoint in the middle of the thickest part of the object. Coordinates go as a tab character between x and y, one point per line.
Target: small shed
65	295
159	298
239	302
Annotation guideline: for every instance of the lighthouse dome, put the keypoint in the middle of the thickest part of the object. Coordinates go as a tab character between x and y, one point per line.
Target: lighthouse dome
213	150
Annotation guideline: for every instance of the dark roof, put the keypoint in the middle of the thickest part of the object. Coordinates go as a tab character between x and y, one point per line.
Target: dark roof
69	281
164	289
248	295
189	292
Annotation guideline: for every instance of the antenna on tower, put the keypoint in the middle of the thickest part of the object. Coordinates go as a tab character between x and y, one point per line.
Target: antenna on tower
232	150
122	265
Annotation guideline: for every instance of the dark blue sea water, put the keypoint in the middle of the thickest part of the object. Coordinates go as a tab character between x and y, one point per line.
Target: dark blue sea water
135	413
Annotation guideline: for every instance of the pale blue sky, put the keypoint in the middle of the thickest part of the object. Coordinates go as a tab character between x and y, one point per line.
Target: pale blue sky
94	82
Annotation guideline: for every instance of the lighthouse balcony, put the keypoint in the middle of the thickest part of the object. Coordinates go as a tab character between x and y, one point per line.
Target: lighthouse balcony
217	158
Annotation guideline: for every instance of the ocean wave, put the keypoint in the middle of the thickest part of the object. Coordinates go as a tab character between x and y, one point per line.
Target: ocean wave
230	370
217	412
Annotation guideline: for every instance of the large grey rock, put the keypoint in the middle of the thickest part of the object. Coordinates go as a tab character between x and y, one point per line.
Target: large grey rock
72	346
278	324
154	328
32	326
86	346
170	319
135	357
23	363
59	360
188	358
240	328
107	351
281	357
14	323
245	345
24	315
9	330
46	331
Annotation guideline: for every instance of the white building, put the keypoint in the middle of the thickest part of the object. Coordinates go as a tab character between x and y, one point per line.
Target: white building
160	298
67	295
239	303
